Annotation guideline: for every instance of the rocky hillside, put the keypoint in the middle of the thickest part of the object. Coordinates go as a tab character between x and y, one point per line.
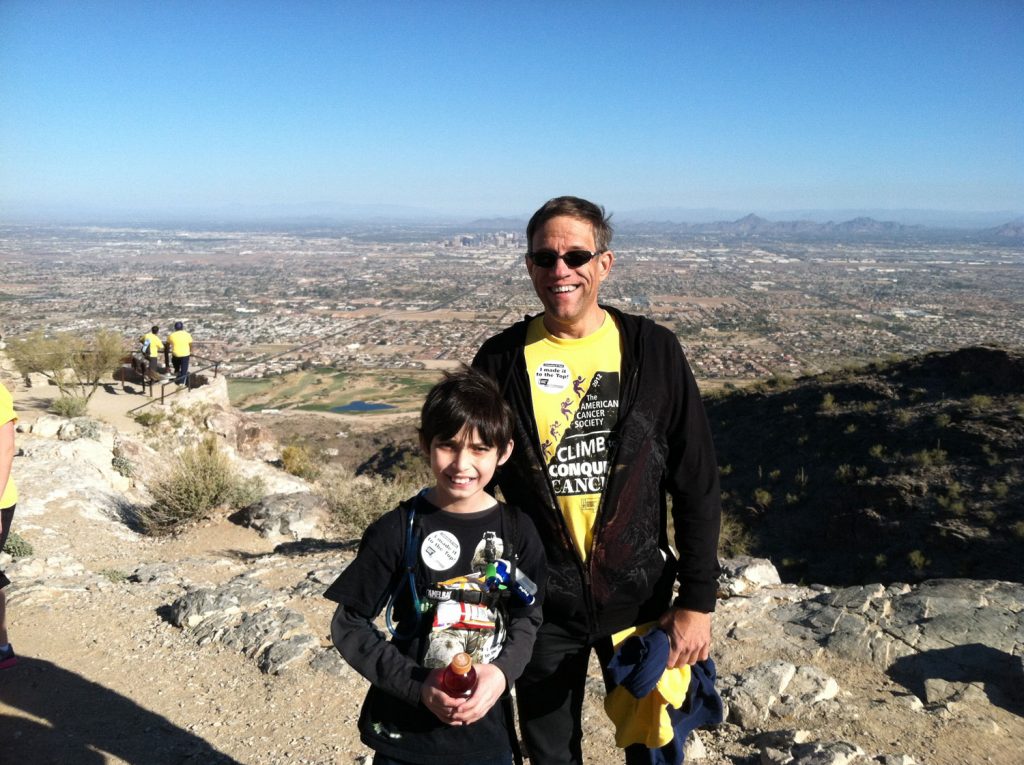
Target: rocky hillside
892	472
211	646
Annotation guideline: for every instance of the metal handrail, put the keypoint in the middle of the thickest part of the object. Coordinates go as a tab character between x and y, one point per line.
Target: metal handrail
164	395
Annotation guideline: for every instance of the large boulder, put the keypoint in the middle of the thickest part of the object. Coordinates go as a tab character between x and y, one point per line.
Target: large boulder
287	517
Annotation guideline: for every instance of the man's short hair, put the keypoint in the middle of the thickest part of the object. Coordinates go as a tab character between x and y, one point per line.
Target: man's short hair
179	325
466	398
573	207
154	329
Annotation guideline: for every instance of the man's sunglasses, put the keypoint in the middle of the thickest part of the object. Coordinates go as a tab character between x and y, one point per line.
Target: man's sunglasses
573	258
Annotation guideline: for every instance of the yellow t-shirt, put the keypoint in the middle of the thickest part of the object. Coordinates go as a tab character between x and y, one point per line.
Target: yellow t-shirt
180	343
155	344
575	390
7	414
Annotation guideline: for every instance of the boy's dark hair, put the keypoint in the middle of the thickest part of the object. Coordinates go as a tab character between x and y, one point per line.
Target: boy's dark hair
154	329
466	398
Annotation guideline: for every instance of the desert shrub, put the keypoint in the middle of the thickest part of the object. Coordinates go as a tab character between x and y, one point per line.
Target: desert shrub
17	546
1000	489
917	560
844	473
943	420
929	457
991	458
979	403
801	478
903	416
123	465
762	498
1018	529
201	480
877	451
301	461
828	403
149	419
69	406
734	539
113	575
76	362
88	428
850	428
355	502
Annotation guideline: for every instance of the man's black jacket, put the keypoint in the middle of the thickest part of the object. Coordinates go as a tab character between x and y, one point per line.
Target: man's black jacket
661	444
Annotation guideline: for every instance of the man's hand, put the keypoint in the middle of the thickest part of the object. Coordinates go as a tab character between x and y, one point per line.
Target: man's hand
690	635
490	685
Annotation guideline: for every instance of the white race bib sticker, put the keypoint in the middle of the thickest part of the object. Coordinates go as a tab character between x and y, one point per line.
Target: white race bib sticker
552	377
440	550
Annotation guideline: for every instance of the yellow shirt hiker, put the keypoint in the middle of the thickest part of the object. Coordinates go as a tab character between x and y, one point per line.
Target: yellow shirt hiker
180	343
179	346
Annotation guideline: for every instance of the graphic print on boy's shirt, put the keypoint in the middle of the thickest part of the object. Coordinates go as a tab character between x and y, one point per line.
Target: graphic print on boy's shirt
461	627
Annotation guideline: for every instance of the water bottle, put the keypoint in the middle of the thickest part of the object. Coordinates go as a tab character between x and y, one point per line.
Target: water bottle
498	573
459	677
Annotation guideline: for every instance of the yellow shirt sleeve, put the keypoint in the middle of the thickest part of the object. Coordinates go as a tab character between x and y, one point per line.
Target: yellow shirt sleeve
7	414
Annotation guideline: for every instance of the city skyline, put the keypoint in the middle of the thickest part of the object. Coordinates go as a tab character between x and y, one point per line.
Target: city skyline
262	111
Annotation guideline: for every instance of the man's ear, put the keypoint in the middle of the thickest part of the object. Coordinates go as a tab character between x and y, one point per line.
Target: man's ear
506	453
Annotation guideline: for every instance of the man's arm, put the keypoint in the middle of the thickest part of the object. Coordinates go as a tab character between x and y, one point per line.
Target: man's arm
6	453
696	513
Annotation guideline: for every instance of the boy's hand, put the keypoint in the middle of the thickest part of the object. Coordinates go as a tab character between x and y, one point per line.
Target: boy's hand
436	698
490	685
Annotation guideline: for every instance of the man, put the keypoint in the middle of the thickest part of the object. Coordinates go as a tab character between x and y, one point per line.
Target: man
151	348
179	346
598	457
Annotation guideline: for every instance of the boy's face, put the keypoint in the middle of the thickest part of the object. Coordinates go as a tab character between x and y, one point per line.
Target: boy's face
463	466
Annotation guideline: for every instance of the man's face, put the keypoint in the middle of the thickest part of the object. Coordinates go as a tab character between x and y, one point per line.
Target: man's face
569	294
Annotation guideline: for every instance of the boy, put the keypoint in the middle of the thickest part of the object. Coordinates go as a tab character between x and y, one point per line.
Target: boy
432	561
8	499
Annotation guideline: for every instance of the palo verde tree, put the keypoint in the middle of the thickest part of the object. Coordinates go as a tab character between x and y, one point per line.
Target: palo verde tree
75	362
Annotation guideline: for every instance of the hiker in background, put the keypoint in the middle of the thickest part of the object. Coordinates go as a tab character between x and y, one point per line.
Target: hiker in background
152	346
179	348
8	499
447	562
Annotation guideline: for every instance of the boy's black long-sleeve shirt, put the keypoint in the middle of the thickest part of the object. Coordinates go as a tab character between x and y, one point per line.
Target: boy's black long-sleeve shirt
393	719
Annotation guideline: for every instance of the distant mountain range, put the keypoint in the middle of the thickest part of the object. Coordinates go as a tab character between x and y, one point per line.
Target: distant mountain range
754	225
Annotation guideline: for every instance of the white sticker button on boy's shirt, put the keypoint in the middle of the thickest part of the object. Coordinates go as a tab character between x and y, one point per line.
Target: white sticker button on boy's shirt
440	550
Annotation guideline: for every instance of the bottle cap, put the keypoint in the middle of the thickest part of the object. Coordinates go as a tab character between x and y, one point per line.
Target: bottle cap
461	663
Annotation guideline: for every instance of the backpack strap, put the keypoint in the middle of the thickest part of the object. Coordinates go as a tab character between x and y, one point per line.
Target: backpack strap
408	577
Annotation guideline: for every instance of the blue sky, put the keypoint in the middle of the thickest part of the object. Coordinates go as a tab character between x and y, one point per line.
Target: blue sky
260	108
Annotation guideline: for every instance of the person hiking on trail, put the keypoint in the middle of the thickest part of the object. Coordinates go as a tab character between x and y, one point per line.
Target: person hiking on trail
447	562
179	348
8	499
152	347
